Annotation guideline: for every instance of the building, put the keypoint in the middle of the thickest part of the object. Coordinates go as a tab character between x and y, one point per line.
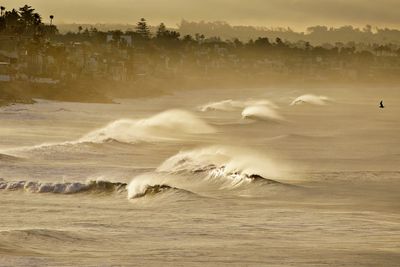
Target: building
125	39
5	72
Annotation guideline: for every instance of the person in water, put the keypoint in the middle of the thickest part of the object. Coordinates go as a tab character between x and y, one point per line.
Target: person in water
381	104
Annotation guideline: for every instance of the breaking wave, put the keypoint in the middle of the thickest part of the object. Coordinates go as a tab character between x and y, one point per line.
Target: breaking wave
261	113
231	166
172	124
63	188
207	172
231	105
151	190
166	126
153	184
311	99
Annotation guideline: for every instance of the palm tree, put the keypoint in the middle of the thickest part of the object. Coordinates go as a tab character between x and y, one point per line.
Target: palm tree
2	8
51	19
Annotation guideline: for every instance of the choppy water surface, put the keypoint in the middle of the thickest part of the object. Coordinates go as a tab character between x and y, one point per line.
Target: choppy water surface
265	177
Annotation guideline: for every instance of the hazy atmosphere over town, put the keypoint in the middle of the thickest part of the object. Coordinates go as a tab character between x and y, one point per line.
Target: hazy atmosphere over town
200	133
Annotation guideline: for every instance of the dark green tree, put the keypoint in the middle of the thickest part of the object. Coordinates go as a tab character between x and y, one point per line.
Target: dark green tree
143	29
262	42
29	19
161	31
12	23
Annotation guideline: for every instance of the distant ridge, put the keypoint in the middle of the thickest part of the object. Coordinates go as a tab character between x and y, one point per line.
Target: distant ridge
314	34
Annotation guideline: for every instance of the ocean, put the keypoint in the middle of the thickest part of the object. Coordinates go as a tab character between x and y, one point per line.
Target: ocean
227	177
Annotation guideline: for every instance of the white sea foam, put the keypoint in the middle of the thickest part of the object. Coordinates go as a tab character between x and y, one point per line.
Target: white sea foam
167	125
231	105
139	185
205	170
233	164
61	188
311	99
261	113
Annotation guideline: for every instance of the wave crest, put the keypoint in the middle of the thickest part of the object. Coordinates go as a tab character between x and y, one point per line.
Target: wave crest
153	184
167	125
311	99
234	166
261	113
231	105
63	188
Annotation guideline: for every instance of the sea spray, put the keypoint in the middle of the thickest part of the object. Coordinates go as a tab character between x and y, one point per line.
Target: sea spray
231	105
223	162
261	113
311	99
167	125
206	170
152	184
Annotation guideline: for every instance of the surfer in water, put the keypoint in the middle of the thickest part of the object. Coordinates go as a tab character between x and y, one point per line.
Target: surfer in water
381	104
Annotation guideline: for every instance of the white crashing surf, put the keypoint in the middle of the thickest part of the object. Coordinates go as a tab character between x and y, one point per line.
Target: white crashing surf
206	171
163	127
231	105
311	99
152	184
98	186
168	125
259	112
231	166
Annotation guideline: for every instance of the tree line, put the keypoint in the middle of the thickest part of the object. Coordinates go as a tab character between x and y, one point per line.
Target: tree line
25	22
316	35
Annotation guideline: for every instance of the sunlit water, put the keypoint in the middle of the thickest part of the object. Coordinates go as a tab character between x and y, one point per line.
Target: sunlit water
212	177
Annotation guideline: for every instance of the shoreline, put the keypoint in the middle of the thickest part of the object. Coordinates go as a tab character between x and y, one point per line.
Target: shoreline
100	91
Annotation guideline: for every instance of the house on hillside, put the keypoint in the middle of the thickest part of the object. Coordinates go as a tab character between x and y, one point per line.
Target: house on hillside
5	75
123	39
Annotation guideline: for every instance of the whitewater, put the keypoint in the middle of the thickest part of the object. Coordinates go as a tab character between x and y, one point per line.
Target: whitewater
255	177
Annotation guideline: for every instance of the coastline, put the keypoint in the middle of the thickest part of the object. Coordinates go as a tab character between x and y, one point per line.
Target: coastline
104	91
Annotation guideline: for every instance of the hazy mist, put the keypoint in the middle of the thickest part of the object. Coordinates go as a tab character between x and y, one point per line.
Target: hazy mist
199	133
293	13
